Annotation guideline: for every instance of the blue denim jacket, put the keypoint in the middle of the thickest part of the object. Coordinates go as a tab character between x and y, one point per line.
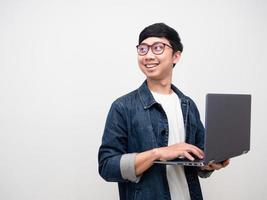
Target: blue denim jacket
137	123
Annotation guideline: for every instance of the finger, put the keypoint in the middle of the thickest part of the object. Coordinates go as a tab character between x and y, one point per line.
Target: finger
196	151
193	149
226	162
199	150
216	166
188	156
207	167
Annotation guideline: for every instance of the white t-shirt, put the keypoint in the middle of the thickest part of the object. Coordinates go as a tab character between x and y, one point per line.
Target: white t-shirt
175	174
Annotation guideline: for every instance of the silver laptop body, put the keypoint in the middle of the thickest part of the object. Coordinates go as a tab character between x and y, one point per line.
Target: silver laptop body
227	129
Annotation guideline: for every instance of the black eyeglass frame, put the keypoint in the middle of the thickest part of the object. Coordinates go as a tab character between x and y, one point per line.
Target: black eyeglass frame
149	46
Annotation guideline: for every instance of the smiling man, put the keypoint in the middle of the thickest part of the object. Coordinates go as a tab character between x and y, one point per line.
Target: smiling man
155	122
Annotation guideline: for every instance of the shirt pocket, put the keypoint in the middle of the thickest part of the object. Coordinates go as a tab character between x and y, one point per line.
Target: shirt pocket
143	137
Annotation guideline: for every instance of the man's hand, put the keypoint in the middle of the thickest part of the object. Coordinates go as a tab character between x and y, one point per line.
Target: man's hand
216	166
179	150
144	160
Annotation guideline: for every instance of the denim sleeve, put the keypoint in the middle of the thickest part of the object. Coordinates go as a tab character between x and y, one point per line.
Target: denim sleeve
114	144
204	173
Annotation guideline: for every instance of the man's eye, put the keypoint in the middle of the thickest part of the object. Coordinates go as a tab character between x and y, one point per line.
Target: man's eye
158	47
142	49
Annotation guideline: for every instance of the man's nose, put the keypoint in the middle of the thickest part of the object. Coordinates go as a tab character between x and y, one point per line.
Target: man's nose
150	54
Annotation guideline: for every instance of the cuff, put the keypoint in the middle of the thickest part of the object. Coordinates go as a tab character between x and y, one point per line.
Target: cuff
127	167
204	173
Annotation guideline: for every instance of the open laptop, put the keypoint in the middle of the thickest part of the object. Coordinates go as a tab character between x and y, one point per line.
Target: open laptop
227	123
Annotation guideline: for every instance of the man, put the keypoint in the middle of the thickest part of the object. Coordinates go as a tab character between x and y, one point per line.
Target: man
155	122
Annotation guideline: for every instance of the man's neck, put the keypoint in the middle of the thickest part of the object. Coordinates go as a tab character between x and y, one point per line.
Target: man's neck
161	87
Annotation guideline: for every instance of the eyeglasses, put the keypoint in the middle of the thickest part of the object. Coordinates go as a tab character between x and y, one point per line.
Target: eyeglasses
157	48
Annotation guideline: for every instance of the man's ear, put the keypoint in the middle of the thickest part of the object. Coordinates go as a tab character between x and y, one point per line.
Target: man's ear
176	56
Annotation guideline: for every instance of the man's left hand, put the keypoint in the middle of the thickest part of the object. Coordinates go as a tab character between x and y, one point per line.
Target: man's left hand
216	166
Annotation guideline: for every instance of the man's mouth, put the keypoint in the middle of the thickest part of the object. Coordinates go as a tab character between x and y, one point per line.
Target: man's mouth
151	65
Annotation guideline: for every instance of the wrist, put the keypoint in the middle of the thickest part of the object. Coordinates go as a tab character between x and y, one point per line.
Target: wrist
155	154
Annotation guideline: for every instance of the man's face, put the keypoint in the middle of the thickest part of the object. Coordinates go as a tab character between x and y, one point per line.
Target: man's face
158	67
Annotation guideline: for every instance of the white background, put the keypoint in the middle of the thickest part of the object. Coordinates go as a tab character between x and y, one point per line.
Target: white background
62	63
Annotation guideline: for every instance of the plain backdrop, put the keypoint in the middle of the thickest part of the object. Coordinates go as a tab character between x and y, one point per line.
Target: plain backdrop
62	64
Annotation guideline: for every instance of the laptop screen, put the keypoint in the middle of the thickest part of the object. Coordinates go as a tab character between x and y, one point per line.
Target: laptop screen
227	125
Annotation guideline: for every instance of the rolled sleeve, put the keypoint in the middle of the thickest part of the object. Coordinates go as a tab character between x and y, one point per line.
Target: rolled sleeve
204	173
127	167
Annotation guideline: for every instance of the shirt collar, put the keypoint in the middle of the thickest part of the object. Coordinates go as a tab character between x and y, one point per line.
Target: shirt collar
148	100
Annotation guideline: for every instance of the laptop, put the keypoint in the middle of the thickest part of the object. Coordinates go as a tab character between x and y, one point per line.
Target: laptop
227	124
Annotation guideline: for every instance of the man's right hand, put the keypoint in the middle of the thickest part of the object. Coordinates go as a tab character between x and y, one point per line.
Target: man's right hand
183	149
145	160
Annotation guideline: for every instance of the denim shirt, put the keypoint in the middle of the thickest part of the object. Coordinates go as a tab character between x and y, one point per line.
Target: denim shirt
137	123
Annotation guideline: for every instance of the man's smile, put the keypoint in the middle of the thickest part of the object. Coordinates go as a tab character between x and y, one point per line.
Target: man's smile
151	65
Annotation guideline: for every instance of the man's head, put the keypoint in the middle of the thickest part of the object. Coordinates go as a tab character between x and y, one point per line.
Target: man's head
163	31
159	49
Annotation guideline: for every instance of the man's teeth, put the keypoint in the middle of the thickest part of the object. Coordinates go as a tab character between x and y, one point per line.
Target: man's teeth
151	65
